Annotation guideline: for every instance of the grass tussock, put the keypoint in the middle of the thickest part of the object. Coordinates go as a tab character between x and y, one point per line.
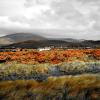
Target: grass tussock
17	71
80	87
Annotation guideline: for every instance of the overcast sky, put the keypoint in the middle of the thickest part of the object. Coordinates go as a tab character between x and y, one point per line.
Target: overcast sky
51	18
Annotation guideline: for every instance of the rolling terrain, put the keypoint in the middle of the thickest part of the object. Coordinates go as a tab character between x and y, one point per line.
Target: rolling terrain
32	44
70	73
19	37
27	40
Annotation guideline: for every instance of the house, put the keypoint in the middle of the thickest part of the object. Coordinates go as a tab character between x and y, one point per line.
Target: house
45	48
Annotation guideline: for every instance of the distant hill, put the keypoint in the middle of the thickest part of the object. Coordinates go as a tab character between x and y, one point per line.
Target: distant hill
28	40
70	40
37	44
55	43
19	37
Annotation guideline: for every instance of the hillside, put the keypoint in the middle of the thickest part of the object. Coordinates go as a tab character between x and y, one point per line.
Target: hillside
55	43
29	40
19	37
37	44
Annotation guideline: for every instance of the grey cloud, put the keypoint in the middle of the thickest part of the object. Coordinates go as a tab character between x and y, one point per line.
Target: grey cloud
30	3
89	1
21	19
65	14
62	14
75	18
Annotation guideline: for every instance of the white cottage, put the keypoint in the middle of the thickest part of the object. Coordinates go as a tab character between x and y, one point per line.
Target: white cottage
45	48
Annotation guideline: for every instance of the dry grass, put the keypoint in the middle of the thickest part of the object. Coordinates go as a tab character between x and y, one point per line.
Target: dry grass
16	71
80	87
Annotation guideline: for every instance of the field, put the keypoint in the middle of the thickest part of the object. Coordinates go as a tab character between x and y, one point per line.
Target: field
57	74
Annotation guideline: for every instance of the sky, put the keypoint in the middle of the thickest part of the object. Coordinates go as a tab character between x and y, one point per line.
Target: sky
51	18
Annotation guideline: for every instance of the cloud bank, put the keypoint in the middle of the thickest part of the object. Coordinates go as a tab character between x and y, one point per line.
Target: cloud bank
60	18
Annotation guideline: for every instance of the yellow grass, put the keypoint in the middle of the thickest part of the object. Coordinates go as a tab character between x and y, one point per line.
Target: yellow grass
54	86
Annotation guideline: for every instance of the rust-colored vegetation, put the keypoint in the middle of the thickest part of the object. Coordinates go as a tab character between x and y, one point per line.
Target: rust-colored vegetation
53	56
